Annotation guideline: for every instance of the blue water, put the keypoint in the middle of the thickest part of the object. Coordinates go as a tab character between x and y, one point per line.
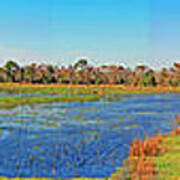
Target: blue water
79	139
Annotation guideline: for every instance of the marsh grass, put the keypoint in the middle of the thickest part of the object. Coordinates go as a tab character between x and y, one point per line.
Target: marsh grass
168	165
82	89
156	158
46	90
10	102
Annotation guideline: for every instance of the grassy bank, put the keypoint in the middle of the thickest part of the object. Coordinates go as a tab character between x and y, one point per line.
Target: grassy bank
168	165
154	158
82	89
10	102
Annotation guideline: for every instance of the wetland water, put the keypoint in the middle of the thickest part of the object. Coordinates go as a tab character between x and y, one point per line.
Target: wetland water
87	139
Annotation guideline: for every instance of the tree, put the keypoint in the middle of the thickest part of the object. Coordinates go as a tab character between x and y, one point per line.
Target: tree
140	72
149	79
27	74
174	82
3	75
81	64
177	66
13	71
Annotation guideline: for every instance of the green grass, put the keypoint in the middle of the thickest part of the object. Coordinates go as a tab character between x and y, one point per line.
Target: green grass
47	90
10	102
73	90
63	90
168	165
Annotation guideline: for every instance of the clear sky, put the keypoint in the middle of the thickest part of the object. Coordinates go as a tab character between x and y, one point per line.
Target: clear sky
126	32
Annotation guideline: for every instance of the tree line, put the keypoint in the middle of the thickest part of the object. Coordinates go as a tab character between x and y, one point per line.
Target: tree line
83	73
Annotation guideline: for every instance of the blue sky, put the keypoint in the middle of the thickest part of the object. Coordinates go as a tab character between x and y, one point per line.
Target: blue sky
126	32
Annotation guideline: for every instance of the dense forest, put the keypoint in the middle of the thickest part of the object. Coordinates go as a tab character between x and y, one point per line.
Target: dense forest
82	73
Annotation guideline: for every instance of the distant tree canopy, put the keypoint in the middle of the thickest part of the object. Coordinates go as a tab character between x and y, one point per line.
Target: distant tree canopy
82	63
82	73
12	69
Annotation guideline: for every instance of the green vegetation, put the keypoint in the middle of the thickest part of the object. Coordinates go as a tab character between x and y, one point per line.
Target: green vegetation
64	90
81	72
10	102
47	90
18	121
74	90
168	165
51	124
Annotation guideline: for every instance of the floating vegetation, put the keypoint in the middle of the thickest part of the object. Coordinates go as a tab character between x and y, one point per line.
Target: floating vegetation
52	124
134	125
76	117
18	121
146	112
36	148
10	102
121	118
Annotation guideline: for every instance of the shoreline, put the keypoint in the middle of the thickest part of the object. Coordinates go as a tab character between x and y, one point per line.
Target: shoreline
84	89
153	158
11	102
